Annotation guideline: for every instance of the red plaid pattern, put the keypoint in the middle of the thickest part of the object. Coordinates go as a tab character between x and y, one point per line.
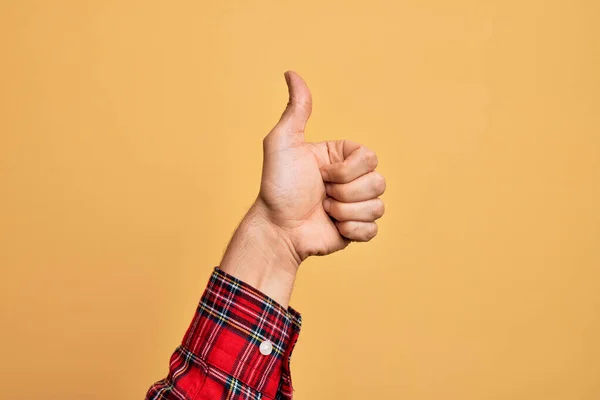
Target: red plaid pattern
219	357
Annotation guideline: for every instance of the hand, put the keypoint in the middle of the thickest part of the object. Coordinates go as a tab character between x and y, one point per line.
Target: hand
314	199
320	195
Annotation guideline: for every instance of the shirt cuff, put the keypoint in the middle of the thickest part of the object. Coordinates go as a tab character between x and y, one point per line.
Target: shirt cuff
232	321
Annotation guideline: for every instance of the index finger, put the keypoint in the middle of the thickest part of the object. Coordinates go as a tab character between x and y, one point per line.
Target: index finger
359	162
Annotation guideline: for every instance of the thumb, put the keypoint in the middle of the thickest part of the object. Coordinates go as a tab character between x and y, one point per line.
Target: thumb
296	114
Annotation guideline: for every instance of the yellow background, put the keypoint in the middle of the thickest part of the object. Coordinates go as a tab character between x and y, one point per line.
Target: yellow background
131	147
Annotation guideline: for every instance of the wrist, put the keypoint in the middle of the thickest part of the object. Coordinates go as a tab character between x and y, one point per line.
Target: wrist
273	235
261	255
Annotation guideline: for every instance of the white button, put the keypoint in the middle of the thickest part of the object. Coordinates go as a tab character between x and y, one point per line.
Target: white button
266	348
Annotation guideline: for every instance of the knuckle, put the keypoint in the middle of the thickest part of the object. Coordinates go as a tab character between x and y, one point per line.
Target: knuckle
342	171
344	228
353	211
338	192
306	104
352	194
372	231
367	232
379	183
379	208
343	192
370	159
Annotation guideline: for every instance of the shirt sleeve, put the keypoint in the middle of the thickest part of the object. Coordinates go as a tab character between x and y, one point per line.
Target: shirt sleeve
238	346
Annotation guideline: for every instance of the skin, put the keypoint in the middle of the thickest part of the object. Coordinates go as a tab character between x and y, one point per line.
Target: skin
314	199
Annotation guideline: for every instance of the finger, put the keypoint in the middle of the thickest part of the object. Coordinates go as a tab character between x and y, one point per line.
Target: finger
365	211
361	161
357	231
289	131
366	187
299	107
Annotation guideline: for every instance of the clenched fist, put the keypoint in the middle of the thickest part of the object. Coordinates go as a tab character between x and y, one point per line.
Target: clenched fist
320	195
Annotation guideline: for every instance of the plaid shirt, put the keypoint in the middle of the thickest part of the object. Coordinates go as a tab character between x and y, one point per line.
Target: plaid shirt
237	347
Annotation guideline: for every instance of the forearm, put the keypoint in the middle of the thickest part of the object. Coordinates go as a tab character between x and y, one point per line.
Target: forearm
261	255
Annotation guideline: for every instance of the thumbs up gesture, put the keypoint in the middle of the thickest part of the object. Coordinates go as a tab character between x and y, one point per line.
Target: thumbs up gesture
319	196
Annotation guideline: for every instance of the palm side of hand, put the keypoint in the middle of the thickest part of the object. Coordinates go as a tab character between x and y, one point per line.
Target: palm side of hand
297	177
293	189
